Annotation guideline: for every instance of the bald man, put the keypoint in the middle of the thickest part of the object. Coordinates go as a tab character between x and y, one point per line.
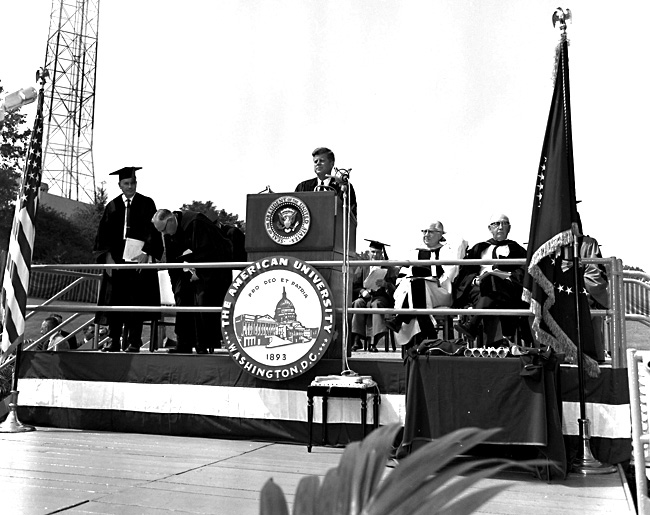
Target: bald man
491	286
191	237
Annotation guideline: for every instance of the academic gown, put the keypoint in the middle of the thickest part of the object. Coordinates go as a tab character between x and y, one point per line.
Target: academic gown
463	282
128	287
205	243
494	292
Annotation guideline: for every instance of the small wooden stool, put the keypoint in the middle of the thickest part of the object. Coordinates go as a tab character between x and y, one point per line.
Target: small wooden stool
359	390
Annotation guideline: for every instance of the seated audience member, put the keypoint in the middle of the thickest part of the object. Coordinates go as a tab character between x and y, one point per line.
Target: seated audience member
491	286
56	341
89	337
377	292
426	287
72	339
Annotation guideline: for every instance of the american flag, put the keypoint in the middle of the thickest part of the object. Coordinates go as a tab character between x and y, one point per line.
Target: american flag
21	242
549	283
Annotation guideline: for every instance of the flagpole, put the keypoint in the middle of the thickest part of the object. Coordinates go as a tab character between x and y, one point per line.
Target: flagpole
556	292
584	463
19	258
11	424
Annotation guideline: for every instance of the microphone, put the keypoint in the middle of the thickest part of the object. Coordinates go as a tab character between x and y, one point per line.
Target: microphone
340	175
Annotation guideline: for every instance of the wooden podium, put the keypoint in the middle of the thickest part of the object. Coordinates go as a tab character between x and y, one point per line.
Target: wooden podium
323	241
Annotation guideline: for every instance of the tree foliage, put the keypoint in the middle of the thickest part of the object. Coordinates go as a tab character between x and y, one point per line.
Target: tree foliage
59	240
63	239
14	144
214	213
86	219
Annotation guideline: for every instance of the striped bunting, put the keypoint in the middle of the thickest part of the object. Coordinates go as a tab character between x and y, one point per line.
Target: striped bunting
225	401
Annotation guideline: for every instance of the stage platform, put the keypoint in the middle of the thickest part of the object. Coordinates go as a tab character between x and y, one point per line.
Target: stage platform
89	472
211	396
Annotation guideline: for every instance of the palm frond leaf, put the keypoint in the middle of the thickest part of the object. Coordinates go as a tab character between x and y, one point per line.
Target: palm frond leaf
272	501
436	492
467	504
422	465
427	481
306	495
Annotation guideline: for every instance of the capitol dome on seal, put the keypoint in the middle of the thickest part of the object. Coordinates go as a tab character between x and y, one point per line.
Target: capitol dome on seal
285	312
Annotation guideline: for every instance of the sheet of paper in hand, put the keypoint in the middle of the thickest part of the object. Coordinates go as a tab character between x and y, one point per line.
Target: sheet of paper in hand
132	249
378	274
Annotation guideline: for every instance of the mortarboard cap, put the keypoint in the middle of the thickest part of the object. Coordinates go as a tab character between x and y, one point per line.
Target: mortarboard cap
374	244
128	172
378	245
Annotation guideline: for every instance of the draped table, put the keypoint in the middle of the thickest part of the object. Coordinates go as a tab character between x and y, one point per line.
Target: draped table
447	393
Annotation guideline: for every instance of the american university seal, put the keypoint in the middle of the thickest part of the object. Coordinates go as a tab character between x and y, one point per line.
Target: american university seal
277	319
287	220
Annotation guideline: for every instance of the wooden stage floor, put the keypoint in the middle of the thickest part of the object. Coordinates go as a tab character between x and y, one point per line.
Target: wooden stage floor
85	472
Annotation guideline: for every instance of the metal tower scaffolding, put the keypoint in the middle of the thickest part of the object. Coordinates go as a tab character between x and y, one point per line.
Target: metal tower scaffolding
71	61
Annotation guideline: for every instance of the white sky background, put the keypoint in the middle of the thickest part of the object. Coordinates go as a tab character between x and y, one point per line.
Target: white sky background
439	107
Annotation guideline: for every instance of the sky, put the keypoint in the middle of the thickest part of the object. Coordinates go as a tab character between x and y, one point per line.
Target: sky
438	107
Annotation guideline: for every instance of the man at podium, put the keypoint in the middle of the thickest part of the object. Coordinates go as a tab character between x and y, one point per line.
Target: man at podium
325	180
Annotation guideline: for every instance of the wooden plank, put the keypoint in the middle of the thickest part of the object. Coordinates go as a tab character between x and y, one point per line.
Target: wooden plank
83	472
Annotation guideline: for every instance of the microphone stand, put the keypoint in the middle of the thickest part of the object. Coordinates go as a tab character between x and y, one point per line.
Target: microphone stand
344	182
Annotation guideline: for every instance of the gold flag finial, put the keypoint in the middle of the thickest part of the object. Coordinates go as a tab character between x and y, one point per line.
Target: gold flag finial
562	16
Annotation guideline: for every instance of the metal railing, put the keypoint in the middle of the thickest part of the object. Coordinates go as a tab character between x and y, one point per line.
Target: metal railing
614	318
640	436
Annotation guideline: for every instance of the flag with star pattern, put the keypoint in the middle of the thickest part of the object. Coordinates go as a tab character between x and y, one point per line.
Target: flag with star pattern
21	242
549	283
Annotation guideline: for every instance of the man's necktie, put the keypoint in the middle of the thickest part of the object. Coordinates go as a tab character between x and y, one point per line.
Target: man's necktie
127	217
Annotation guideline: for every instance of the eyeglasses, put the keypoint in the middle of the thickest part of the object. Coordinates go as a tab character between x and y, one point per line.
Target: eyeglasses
501	223
429	231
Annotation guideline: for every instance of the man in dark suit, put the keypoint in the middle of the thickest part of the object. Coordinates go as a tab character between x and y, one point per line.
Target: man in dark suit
191	237
126	235
323	165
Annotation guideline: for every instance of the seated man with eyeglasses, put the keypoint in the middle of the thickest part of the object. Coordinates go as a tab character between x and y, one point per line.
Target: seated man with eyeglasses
425	286
491	286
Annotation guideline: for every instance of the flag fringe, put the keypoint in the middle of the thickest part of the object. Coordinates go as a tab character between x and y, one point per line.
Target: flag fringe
557	338
558	51
558	241
559	341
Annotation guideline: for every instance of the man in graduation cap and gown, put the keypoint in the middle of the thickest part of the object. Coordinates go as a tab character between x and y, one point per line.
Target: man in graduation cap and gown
126	235
323	165
377	292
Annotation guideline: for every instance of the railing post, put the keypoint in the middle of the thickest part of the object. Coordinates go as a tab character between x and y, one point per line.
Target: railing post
618	306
